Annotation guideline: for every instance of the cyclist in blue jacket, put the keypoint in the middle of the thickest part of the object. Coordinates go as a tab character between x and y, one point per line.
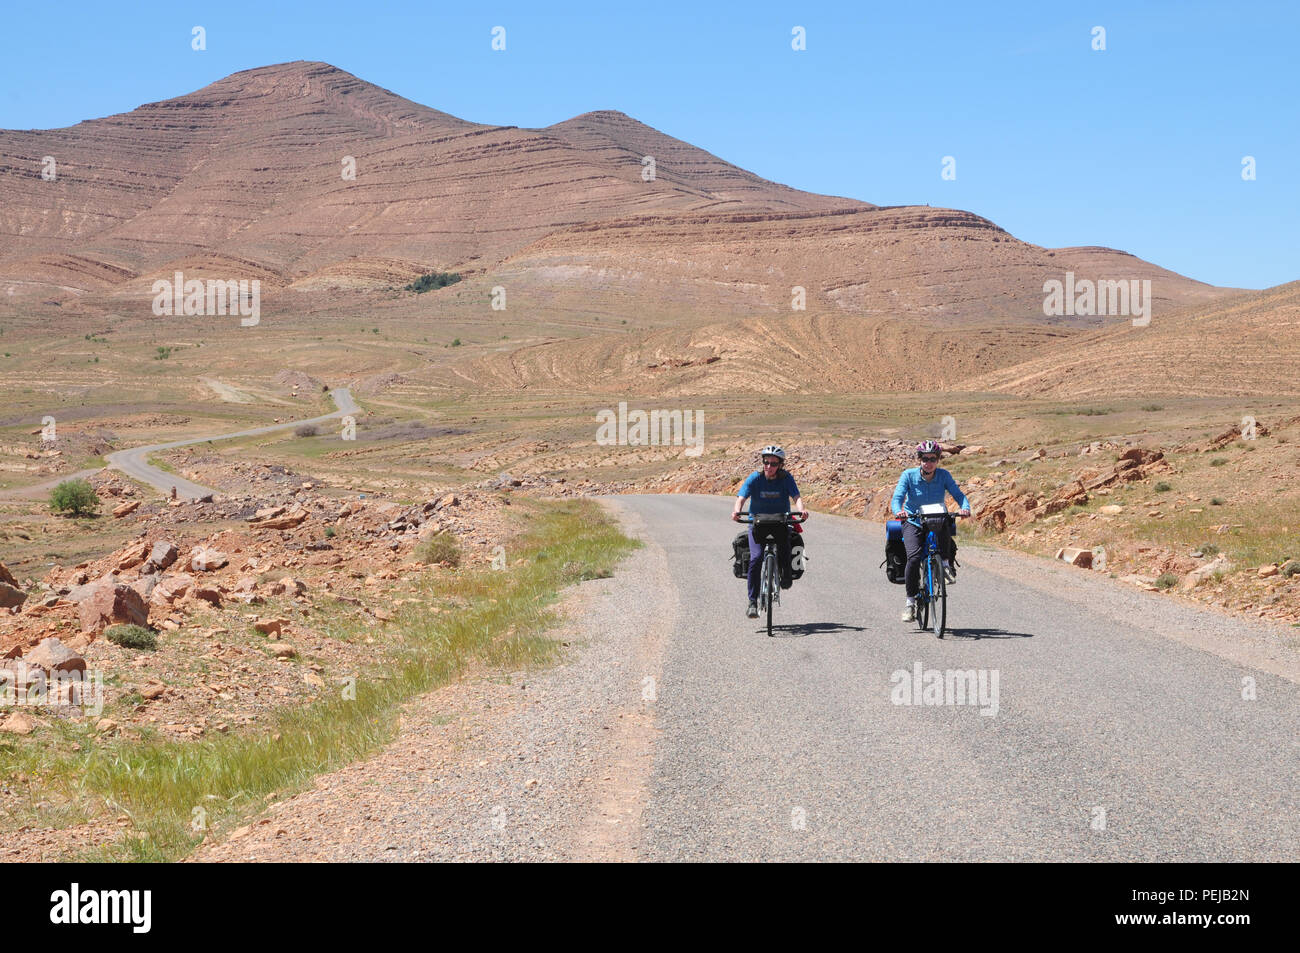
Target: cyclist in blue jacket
769	490
918	486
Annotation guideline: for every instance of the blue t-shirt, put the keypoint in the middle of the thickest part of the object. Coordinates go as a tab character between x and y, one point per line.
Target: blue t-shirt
768	496
917	492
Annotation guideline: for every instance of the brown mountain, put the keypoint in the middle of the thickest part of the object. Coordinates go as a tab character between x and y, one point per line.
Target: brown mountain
704	261
250	170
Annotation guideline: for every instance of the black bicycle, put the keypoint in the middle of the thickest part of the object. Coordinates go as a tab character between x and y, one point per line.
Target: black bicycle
932	599
770	530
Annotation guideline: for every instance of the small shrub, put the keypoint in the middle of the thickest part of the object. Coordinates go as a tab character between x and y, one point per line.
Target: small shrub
1094	412
1152	408
1209	549
74	496
305	430
1218	461
1163	487
1216	501
1291	569
439	548
432	281
456	343
131	636
329	532
1166	581
163	354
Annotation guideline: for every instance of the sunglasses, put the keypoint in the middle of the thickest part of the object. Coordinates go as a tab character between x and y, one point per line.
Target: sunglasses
771	463
929	459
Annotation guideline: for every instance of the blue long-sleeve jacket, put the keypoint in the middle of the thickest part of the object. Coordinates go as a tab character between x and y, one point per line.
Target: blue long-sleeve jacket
916	492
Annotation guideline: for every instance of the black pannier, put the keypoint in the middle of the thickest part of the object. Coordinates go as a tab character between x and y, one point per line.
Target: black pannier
797	560
740	555
790	571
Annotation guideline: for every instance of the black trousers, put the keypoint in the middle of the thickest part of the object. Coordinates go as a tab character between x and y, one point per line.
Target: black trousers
914	542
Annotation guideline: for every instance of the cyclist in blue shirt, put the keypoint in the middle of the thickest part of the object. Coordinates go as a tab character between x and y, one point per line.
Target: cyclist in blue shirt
918	486
769	490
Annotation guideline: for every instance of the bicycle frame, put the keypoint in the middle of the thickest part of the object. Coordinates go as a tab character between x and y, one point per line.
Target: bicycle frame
769	584
932	597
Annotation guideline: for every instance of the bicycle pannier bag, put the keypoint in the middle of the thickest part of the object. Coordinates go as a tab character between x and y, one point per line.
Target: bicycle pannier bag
740	555
895	551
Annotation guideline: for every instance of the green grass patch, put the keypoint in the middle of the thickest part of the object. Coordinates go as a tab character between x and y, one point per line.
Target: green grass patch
1166	580
499	617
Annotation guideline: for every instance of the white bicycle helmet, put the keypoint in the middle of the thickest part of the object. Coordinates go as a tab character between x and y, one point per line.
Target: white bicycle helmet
772	450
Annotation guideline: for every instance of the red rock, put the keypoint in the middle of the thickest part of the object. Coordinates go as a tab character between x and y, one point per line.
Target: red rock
204	559
271	627
7	576
171	588
123	509
112	603
162	555
132	556
53	656
11	596
207	594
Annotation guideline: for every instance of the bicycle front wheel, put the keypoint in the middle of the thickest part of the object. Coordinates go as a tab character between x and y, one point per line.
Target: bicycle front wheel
939	603
770	582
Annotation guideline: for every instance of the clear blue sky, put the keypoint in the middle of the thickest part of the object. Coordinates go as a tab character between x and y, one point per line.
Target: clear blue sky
1138	147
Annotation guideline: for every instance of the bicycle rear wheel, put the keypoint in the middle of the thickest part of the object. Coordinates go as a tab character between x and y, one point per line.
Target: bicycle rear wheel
939	604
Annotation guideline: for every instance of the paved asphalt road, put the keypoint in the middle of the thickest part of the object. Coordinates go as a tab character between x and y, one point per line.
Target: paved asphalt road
133	462
1114	737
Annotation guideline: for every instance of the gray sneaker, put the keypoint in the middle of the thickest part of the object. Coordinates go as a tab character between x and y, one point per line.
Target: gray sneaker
752	611
909	614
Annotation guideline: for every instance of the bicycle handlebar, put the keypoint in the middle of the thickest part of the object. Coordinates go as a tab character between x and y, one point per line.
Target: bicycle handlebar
792	517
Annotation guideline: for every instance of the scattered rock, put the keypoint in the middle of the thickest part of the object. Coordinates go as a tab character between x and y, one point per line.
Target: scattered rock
111	603
17	723
171	588
1198	575
1111	509
284	650
53	656
204	559
1266	571
123	509
1076	557
7	576
207	594
11	596
132	557
272	627
287	521
161	556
